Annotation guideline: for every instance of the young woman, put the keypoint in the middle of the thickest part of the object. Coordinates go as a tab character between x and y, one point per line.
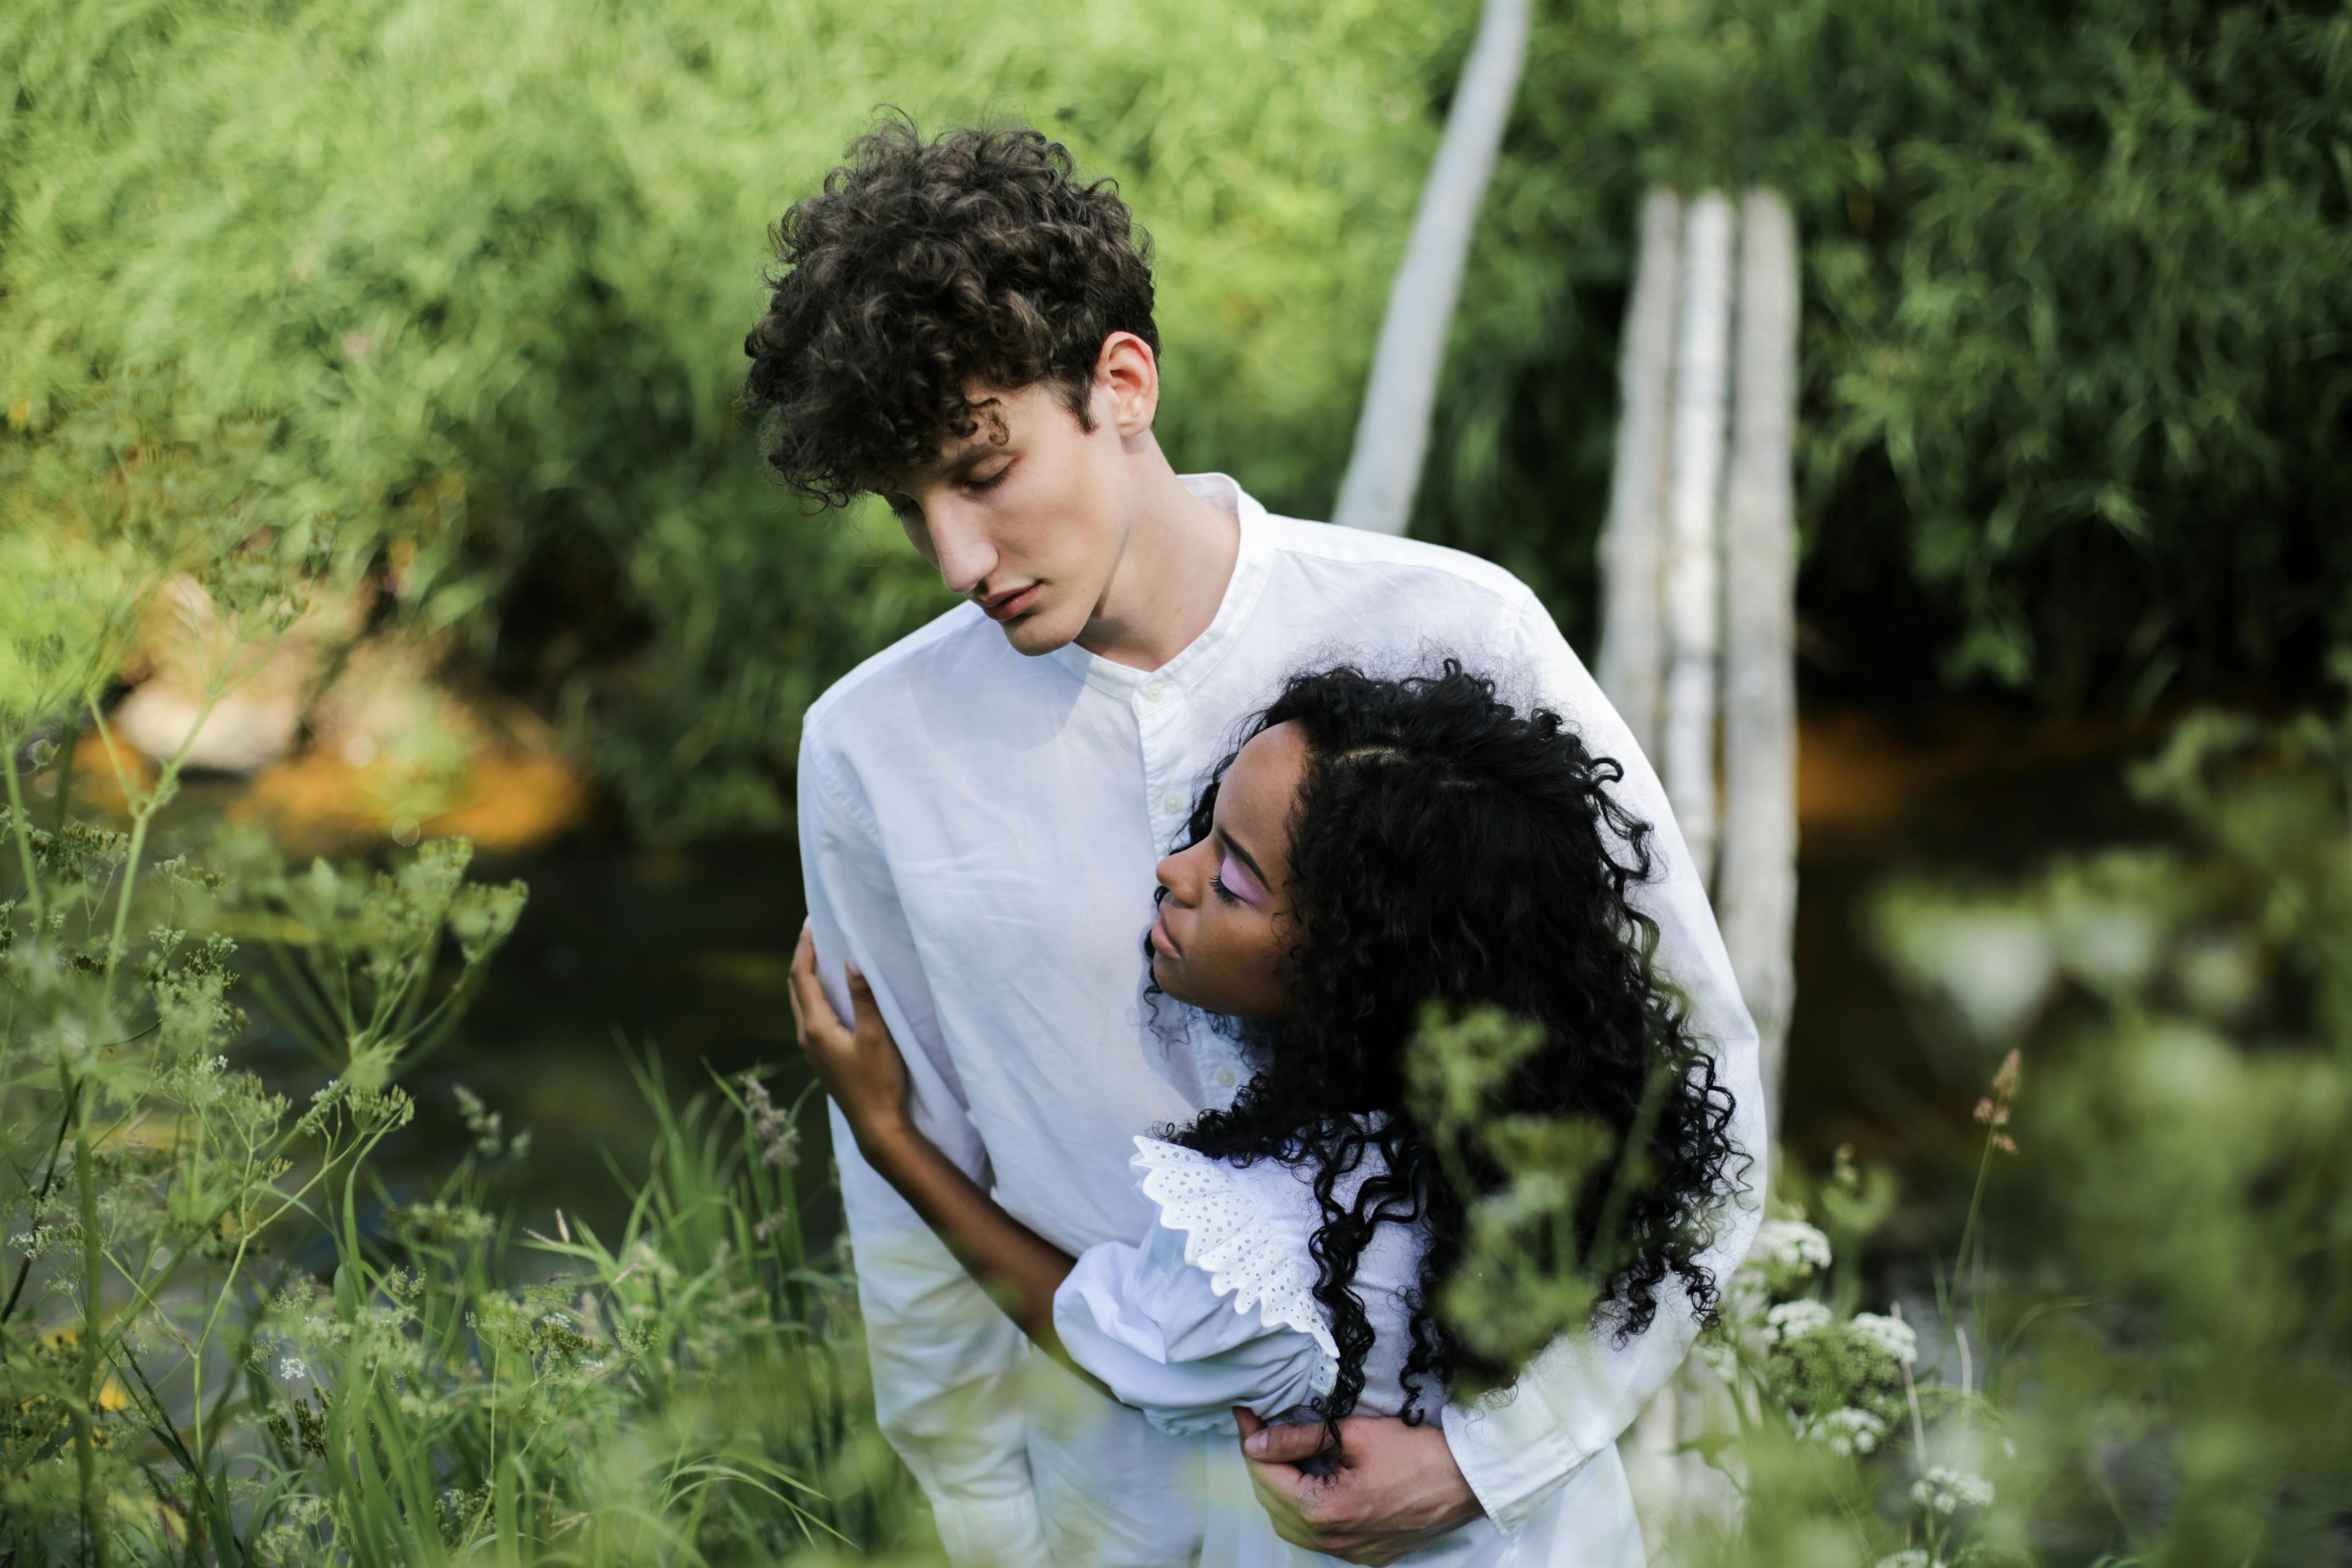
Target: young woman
1372	847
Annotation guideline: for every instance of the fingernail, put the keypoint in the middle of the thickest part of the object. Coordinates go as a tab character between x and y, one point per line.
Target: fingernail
1254	1444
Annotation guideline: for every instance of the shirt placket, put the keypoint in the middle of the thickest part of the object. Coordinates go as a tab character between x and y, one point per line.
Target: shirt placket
1161	711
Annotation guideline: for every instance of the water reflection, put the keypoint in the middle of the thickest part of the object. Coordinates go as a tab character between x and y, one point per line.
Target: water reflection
676	955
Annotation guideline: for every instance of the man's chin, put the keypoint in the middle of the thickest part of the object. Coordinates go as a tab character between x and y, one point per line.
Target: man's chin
1035	634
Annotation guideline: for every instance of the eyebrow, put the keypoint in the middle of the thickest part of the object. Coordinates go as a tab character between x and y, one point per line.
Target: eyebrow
1248	859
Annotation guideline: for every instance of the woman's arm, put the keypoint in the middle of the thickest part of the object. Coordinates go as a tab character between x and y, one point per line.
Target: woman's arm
861	1069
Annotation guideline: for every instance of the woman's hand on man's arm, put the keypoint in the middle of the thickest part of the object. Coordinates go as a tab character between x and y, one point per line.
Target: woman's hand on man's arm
860	1066
859	1063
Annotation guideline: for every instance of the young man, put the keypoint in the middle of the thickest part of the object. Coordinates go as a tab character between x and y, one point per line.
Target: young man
966	328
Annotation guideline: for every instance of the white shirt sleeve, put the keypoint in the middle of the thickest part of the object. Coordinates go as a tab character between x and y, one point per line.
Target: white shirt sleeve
1575	1400
945	1358
1161	1338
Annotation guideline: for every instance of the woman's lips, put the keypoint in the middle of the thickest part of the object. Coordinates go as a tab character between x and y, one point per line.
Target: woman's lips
1161	941
1004	607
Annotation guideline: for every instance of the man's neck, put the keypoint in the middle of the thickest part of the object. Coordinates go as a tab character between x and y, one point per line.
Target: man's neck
1172	576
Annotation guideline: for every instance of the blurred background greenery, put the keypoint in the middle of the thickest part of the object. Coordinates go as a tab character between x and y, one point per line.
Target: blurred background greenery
467	279
442	303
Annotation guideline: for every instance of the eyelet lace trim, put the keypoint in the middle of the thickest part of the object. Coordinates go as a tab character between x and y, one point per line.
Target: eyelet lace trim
1231	1237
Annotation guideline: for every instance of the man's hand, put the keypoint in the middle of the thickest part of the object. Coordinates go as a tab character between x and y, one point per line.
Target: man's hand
1397	1487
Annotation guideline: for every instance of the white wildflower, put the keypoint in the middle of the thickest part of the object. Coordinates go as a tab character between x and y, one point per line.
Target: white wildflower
1795	1319
1790	1243
1892	1335
1944	1490
1911	1559
292	1369
1845	1432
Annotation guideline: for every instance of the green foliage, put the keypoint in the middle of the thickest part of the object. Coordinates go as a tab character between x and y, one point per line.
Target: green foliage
2171	1292
471	281
1524	1277
458	289
178	1384
2074	381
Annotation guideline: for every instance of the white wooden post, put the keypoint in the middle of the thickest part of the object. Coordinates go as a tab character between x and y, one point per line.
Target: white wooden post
1392	432
1756	887
1633	664
1698	563
1694	579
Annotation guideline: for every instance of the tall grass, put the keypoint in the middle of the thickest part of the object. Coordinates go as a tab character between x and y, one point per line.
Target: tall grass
224	1339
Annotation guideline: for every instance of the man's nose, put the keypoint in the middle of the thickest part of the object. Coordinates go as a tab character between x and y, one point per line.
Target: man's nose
961	546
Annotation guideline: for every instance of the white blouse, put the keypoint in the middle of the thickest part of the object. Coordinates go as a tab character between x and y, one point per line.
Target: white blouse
1213	1307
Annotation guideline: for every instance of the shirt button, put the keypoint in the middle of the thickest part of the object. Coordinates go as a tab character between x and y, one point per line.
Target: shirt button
1171	803
1155	691
1225	1077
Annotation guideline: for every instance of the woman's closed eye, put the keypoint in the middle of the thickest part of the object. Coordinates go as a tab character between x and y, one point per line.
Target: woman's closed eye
1236	884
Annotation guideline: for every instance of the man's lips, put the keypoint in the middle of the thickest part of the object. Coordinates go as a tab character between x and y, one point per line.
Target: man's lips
1161	941
1011	602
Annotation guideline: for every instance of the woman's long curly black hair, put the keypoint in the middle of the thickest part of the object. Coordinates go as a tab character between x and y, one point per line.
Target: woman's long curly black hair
1446	848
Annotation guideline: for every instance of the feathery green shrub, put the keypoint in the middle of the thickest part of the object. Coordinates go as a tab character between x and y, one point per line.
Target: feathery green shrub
472	281
2073	379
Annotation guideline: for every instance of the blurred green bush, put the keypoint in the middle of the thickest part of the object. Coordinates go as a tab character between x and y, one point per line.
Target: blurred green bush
469	283
464	284
2164	1307
2074	366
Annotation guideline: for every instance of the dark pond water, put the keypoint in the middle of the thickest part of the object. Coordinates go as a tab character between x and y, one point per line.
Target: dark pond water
624	958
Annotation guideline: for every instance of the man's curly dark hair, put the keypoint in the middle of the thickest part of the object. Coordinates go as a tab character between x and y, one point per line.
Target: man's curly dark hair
924	269
1446	848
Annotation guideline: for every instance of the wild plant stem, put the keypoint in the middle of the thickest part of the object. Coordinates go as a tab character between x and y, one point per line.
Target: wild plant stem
93	1279
49	1184
22	825
1969	1228
143	812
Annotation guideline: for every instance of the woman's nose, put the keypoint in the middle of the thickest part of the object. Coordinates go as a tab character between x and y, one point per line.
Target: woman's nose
1171	877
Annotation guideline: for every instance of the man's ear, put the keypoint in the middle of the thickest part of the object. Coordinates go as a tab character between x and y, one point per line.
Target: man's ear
1127	376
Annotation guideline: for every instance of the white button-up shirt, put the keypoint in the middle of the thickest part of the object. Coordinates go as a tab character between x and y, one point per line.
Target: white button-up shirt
978	831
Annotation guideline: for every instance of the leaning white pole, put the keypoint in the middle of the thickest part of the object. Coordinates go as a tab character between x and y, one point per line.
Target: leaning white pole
1694	496
1757	889
1393	434
1633	543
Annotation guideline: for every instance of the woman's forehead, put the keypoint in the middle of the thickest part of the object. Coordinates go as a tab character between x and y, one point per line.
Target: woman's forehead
1254	802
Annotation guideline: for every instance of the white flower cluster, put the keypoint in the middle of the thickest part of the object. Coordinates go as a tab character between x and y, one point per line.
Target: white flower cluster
1795	1319
1911	1559
1845	1432
1892	1335
1791	1243
293	1368
1947	1490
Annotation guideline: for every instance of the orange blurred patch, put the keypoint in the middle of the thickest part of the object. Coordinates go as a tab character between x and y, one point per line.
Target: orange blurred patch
1856	768
319	804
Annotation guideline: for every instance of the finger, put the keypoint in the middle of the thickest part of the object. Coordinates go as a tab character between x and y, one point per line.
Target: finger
863	1008
810	1004
1285	1445
804	959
